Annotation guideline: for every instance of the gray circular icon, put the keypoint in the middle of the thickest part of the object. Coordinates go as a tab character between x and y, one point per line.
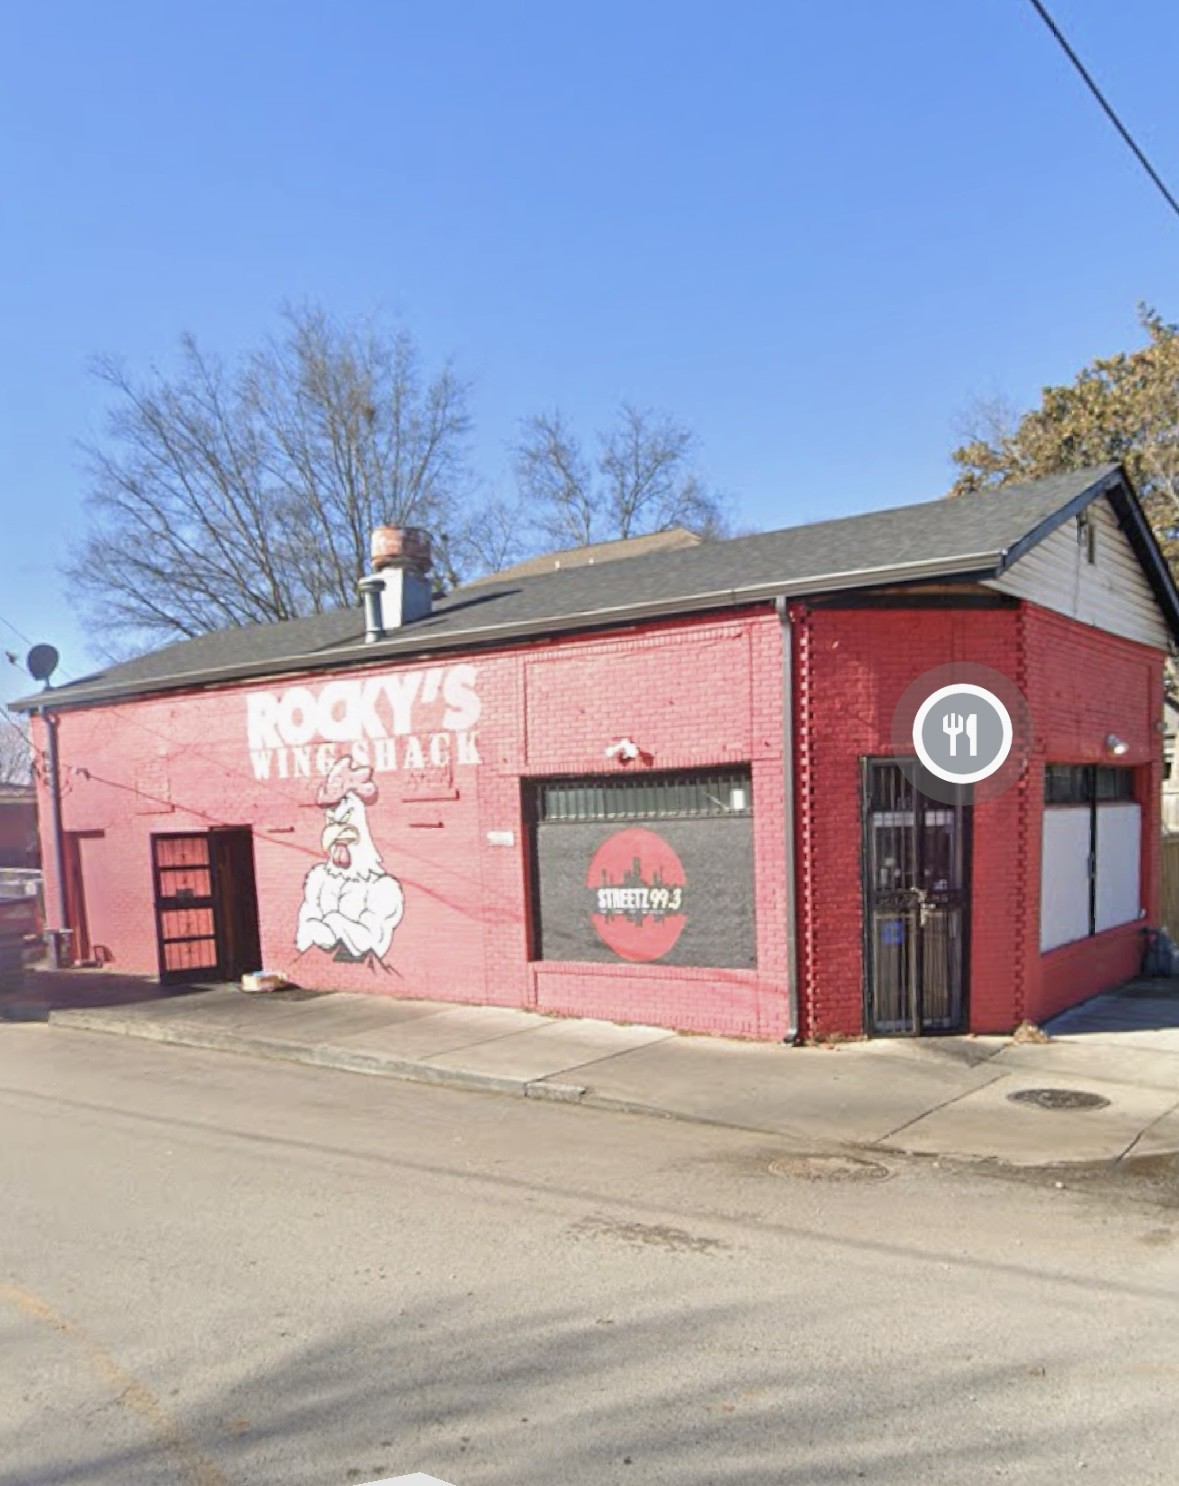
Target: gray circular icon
962	733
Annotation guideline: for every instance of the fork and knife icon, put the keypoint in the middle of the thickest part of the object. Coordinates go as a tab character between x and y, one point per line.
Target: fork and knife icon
954	726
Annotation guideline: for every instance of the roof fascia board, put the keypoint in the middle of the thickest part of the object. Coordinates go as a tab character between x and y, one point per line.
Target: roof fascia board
1132	519
1102	486
967	566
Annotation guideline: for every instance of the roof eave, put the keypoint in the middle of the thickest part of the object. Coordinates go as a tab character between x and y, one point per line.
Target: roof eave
1105	484
966	566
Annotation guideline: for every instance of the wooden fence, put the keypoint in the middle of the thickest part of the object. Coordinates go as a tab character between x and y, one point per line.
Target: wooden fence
1170	886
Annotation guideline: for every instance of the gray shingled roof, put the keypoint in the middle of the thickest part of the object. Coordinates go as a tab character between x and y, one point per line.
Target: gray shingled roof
969	537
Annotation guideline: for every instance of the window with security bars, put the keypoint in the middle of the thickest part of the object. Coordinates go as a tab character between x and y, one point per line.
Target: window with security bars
692	795
642	869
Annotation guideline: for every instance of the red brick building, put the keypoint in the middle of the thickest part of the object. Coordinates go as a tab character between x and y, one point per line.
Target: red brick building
677	789
18	827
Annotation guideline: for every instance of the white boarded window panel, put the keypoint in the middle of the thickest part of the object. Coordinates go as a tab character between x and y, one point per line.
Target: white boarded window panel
1119	863
1064	876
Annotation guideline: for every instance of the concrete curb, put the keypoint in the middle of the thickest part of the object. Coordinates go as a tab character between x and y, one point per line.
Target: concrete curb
279	1049
408	1070
283	1050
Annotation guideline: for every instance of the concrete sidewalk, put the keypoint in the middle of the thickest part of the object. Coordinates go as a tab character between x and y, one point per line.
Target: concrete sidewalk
944	1096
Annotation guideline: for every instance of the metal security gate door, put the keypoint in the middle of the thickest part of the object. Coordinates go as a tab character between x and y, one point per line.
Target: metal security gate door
186	920
916	903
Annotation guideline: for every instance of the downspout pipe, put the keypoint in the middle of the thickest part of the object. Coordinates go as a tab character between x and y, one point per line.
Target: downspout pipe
781	604
54	782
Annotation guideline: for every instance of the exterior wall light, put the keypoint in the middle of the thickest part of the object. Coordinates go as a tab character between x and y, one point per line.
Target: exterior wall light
625	750
1115	745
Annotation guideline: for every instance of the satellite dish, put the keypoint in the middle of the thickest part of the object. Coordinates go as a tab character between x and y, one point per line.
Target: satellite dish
42	662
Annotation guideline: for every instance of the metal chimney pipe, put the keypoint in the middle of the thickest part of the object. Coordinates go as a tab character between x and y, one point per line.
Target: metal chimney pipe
372	587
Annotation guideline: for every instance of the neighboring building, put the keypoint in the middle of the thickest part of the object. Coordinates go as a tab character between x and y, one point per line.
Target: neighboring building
19	845
668	790
1170	767
674	539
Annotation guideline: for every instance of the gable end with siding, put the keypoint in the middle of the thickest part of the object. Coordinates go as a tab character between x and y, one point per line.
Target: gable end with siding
1111	593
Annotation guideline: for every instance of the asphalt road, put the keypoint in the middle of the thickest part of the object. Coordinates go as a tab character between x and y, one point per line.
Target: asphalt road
221	1272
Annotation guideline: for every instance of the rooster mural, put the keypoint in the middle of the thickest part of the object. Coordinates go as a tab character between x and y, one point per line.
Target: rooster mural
351	905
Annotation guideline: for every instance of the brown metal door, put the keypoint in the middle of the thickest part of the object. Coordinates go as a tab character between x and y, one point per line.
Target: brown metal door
916	903
186	919
236	911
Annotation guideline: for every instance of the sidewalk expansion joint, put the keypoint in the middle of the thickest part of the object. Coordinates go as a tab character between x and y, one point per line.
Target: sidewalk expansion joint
937	1108
1144	1132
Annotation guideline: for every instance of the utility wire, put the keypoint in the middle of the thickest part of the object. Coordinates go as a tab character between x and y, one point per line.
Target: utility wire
20	634
288	796
1106	106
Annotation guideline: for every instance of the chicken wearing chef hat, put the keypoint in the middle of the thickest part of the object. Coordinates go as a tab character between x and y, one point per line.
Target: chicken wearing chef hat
351	905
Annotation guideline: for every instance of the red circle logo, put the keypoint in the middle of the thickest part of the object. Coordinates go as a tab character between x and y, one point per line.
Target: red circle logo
639	889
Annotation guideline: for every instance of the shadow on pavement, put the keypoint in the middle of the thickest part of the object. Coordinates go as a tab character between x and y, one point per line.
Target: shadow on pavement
1138	1006
675	1392
31	996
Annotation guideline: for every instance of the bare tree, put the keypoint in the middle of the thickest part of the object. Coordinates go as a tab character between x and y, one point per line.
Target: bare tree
223	498
16	752
487	538
365	441
987	422
646	465
641	481
555	482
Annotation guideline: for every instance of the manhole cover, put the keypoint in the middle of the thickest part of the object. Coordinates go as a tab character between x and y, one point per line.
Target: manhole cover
830	1169
1059	1099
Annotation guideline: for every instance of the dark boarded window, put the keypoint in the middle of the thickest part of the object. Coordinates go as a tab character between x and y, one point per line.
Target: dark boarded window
1086	784
647	868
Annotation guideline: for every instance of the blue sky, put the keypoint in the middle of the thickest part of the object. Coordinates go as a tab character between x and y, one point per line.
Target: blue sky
814	232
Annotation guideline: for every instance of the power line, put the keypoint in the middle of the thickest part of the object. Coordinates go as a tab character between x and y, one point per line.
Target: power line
287	795
1106	105
20	634
135	722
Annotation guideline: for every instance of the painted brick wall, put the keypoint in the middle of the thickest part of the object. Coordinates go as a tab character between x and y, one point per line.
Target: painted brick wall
690	694
852	667
695	693
1083	685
